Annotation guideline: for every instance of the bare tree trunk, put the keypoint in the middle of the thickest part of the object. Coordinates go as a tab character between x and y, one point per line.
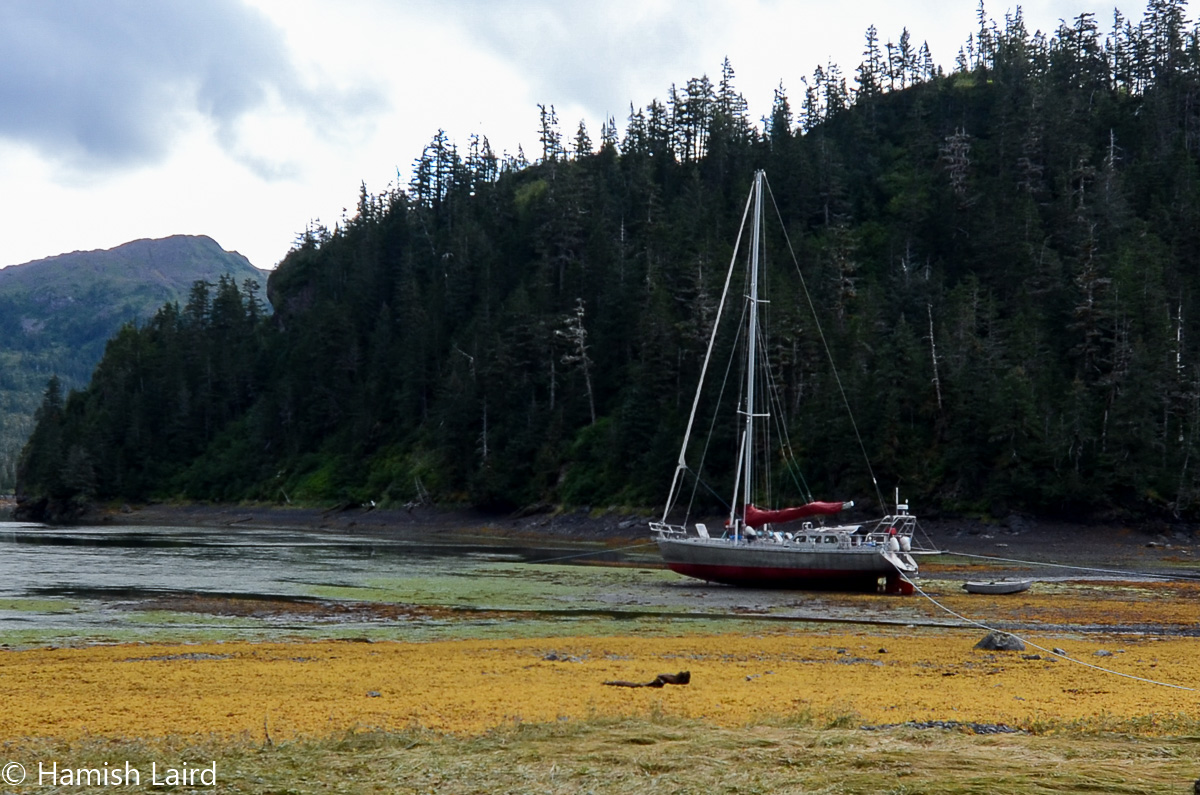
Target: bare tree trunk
576	335
937	382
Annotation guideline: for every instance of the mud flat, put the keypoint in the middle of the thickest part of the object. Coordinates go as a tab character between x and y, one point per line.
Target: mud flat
580	524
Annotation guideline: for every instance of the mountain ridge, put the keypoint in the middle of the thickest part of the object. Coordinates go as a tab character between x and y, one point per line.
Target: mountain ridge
16	278
58	312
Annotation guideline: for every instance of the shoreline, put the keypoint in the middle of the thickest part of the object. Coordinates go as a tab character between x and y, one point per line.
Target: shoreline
1021	537
1024	541
566	526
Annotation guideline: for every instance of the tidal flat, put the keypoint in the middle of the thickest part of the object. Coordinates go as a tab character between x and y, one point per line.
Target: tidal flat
370	666
810	711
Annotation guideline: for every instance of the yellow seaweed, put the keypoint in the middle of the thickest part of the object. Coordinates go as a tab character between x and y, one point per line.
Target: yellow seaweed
312	689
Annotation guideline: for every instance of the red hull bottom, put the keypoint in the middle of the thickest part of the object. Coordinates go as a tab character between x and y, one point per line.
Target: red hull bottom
799	579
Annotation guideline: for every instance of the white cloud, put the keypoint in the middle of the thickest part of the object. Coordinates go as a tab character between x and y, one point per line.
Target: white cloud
122	119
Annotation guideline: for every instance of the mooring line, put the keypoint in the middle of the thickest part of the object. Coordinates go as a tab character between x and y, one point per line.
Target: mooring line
960	616
1077	568
1068	658
594	552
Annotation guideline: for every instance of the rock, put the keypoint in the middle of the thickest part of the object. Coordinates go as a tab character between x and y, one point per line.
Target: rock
1104	653
1000	641
1017	523
556	657
1059	652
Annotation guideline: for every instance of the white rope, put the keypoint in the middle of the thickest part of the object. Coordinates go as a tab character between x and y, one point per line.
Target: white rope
943	607
1077	568
1028	642
595	552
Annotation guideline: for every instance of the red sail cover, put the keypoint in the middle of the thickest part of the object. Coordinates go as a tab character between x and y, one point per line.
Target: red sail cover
755	517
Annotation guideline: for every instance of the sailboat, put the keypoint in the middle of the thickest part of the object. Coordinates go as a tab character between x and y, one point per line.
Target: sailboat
800	546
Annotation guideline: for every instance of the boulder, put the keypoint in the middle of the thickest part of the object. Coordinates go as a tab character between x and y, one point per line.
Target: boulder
1000	641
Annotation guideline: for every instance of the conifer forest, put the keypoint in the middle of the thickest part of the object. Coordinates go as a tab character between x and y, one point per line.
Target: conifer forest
1007	256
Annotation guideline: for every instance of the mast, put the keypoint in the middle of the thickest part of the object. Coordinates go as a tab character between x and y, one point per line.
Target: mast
752	347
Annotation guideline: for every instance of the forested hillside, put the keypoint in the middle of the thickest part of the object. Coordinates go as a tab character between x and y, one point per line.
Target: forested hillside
56	314
1008	254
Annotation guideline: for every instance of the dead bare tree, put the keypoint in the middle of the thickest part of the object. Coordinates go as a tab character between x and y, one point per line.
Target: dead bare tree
575	335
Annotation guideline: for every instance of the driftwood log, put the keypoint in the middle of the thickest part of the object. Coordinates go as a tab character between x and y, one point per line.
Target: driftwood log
681	678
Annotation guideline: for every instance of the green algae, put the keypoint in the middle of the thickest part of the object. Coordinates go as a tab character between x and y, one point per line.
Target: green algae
187	619
38	605
507	586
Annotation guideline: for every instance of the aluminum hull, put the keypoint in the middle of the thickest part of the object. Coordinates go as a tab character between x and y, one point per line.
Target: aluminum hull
768	565
997	586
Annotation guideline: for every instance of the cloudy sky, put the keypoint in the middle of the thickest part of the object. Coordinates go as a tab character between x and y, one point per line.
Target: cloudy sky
245	119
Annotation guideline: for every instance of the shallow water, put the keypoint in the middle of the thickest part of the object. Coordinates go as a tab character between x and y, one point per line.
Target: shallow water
132	583
128	583
91	578
131	561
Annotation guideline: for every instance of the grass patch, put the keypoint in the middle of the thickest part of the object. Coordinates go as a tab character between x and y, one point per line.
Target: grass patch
644	755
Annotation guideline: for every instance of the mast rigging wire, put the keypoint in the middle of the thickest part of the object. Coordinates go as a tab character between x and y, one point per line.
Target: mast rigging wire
1148	575
824	343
